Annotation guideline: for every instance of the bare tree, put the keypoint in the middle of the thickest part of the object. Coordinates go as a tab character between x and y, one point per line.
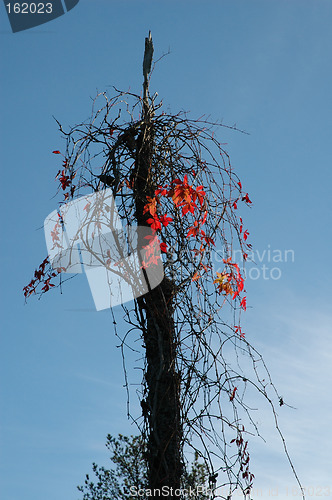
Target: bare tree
169	173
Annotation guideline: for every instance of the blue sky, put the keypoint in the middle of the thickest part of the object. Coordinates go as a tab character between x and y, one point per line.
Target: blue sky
265	66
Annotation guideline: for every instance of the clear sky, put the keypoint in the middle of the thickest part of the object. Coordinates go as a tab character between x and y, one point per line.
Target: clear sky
264	65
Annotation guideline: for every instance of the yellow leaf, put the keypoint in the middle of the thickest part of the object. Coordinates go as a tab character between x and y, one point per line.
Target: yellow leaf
224	285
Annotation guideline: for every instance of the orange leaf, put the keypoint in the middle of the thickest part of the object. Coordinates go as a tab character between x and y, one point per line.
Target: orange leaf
151	206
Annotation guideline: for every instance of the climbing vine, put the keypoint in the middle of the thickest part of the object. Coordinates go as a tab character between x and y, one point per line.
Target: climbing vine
193	205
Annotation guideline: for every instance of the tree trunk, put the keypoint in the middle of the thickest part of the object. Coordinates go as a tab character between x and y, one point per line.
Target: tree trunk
161	406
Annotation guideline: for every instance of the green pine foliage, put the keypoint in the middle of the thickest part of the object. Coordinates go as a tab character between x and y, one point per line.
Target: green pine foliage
128	474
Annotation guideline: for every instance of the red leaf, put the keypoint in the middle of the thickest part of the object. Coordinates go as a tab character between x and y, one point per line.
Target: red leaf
239	330
162	191
194	230
246	198
39	274
154	223
64	180
165	220
209	241
151	238
44	263
163	247
47	285
56	152
243	303
188	207
232	396
154	260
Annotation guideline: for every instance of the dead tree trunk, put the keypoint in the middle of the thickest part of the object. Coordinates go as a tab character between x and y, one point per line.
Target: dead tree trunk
161	406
